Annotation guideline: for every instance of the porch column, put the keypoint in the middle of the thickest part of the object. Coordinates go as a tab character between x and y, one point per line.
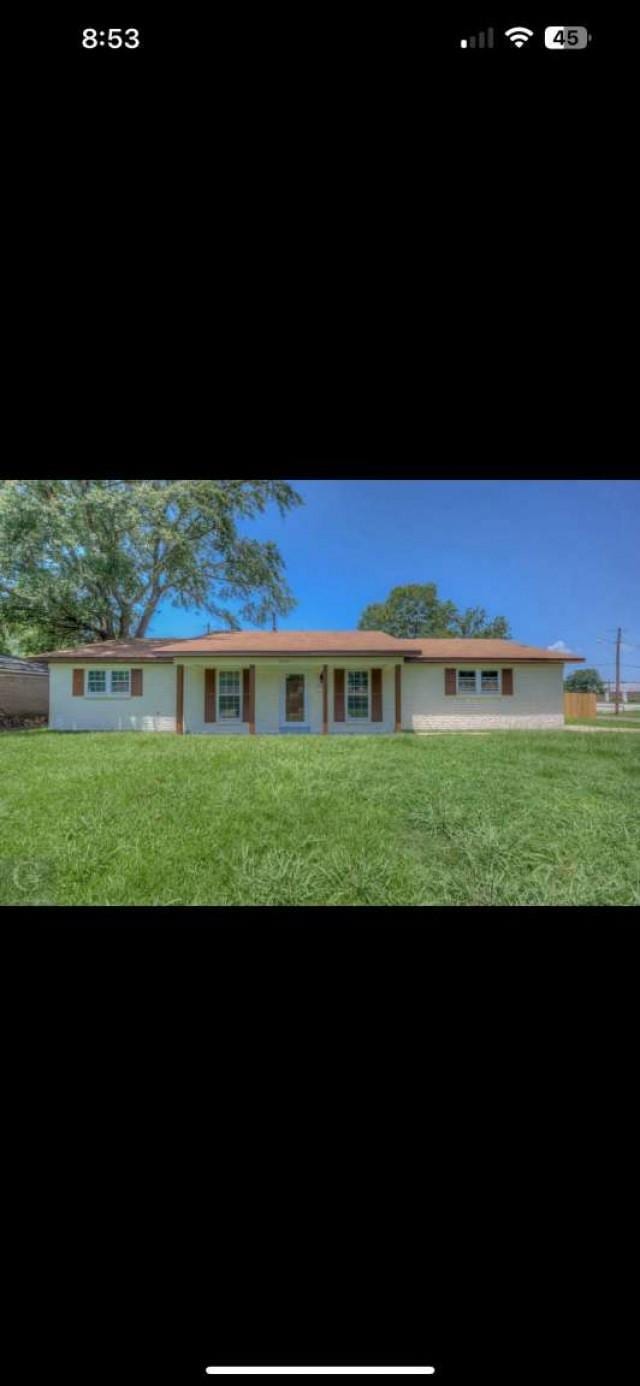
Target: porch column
180	700
325	699
398	697
252	699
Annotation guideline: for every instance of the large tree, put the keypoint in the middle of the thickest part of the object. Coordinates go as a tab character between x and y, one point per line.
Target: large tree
93	560
585	681
416	611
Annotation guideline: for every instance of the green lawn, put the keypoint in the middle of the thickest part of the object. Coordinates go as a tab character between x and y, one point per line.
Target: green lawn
608	719
503	818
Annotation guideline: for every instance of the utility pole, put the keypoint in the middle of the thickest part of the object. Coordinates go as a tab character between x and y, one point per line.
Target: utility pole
274	623
618	644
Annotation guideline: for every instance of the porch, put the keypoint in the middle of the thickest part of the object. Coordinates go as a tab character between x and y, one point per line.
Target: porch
288	697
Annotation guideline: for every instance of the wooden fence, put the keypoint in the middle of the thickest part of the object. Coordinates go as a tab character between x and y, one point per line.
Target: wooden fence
580	704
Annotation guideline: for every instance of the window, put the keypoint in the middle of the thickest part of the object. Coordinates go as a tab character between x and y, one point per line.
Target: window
120	682
104	682
229	696
97	681
358	694
478	680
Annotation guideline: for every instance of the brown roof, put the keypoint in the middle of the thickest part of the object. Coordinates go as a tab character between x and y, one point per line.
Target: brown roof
283	642
113	651
310	642
481	650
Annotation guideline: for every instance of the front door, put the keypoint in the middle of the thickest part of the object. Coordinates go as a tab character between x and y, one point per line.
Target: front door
294	699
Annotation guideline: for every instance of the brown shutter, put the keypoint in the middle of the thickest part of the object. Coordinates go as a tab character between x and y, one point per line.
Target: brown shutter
180	699
136	683
507	681
449	681
209	695
78	683
376	695
246	695
338	695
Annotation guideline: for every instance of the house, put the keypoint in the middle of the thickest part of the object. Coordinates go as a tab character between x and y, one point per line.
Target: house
289	682
629	693
24	688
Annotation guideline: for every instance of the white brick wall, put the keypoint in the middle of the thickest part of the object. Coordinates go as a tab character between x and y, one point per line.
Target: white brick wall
194	723
537	700
154	711
270	702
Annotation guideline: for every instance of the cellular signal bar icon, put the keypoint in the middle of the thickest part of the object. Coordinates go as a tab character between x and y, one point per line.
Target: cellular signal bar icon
481	40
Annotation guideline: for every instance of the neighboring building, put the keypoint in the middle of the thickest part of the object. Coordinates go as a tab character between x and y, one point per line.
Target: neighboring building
24	688
336	682
630	692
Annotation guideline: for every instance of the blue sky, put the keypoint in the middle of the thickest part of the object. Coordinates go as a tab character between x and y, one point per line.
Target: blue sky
558	559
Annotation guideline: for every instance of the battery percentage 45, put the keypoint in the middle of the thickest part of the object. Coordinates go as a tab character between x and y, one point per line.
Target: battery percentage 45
560	37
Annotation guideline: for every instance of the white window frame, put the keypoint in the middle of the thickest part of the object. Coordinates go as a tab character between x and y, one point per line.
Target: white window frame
478	691
109	691
224	717
357	721
98	693
120	692
467	692
490	692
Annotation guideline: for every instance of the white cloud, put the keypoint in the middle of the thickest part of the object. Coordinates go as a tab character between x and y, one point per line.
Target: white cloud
559	645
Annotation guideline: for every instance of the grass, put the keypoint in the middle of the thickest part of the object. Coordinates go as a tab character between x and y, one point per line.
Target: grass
609	719
506	819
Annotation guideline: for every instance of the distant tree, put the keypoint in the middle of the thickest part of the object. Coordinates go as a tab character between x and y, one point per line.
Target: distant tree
93	560
585	681
474	624
416	611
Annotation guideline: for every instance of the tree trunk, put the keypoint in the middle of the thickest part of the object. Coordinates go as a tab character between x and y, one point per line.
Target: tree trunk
148	613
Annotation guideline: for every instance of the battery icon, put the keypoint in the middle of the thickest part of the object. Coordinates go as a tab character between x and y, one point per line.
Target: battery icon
561	37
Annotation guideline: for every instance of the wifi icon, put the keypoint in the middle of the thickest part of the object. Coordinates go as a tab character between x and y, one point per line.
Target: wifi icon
518	35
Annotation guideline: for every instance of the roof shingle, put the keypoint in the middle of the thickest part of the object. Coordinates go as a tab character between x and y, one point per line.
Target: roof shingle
113	651
261	642
459	649
311	642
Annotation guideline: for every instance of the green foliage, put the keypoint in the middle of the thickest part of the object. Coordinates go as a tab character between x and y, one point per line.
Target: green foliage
584	681
415	611
92	560
11	643
505	818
